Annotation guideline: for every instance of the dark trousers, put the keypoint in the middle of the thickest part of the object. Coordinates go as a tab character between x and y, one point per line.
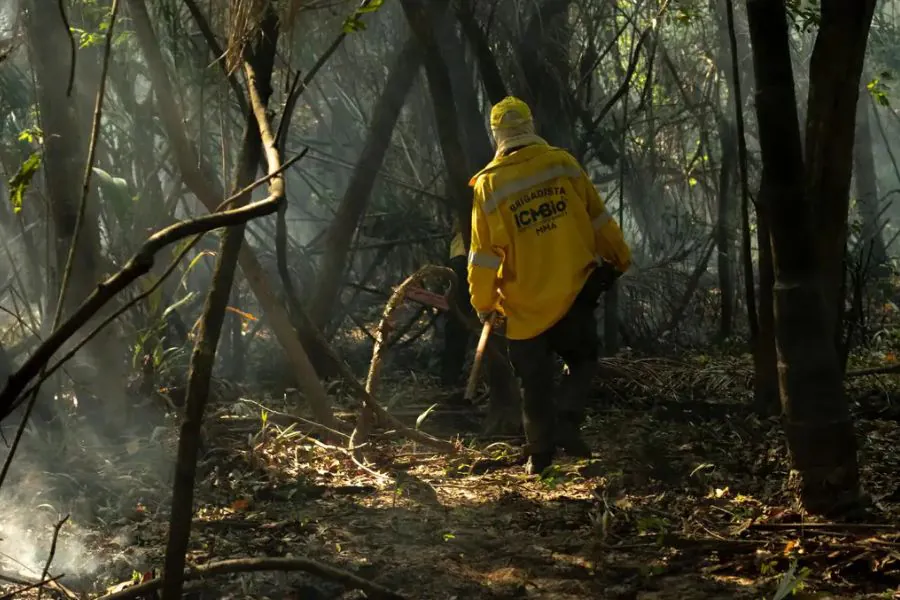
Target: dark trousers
550	418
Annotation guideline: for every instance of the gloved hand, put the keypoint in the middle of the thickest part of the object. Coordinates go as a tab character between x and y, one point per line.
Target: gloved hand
606	275
483	317
599	281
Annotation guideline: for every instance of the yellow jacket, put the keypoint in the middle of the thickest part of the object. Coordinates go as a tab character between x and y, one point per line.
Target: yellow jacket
539	228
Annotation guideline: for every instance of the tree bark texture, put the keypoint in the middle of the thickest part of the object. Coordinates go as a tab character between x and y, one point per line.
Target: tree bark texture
816	414
356	197
834	73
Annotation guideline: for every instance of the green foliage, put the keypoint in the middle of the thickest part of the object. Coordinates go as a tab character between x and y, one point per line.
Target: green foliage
804	14
878	89
354	22
19	183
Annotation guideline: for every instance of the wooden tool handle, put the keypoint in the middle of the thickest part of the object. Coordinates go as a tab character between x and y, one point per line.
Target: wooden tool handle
479	355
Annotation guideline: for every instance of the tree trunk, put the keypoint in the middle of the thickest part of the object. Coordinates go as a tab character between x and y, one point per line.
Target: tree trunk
477	139
834	76
204	354
484	56
419	16
205	187
65	153
871	240
724	227
64	149
346	220
543	52
817	419
765	357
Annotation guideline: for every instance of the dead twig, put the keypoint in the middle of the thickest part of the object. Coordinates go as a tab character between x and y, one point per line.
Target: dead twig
255	565
370	409
56	529
828	526
885	370
31	586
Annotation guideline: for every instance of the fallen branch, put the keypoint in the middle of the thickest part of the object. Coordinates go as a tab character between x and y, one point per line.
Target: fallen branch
885	370
255	565
31	586
828	526
371	409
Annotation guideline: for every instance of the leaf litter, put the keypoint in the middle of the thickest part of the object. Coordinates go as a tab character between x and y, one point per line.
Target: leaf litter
688	496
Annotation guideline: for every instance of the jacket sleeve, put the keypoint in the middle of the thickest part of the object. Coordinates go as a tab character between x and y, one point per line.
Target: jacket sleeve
609	243
486	254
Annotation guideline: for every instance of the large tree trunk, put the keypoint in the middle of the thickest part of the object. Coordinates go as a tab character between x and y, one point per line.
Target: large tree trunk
871	240
819	429
356	197
834	76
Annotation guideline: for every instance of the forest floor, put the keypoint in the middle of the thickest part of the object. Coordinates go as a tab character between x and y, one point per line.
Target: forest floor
687	497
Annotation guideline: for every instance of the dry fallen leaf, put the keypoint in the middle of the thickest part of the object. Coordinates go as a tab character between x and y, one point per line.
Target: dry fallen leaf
240	504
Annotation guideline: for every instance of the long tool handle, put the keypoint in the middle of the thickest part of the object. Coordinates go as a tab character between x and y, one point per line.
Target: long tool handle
479	355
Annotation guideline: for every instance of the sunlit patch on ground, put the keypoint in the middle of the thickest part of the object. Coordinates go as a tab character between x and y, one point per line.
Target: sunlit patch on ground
683	499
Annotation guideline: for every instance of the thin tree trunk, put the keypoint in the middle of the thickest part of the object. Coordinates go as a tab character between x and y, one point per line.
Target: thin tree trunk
205	187
446	118
353	204
724	227
834	79
871	239
484	56
817	419
204	354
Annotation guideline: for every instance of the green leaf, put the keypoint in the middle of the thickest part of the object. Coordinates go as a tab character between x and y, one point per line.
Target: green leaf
352	24
370	7
115	192
421	418
174	306
19	183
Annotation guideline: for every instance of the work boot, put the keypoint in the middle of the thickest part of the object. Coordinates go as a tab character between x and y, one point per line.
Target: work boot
538	462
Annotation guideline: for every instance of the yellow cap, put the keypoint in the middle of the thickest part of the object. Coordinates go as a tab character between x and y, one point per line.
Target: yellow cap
510	113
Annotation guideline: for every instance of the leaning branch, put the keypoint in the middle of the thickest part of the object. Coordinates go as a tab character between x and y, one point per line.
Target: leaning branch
140	264
255	565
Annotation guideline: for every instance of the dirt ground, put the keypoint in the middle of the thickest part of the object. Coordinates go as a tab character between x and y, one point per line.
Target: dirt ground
686	498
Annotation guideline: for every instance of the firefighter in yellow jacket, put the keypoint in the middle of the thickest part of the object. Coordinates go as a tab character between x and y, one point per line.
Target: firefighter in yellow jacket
543	250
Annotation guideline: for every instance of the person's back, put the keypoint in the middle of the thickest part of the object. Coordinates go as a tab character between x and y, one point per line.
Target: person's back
536	215
543	250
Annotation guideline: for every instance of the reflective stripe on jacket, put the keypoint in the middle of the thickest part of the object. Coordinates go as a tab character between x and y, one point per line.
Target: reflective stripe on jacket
538	230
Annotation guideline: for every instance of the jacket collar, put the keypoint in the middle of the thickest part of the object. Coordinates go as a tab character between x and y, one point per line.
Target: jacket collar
519	156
